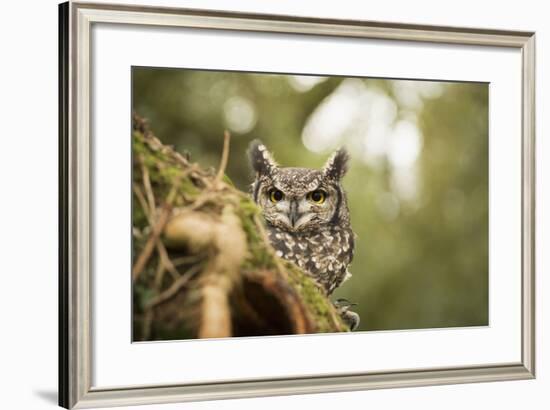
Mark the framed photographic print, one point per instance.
(292, 201)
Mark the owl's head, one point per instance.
(299, 199)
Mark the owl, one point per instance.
(306, 214)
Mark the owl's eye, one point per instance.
(317, 196)
(275, 195)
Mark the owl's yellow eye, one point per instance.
(275, 195)
(317, 196)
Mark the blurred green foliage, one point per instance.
(417, 185)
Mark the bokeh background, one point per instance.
(417, 185)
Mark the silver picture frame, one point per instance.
(75, 333)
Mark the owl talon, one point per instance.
(350, 318)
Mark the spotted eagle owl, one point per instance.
(306, 214)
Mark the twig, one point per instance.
(161, 249)
(225, 156)
(147, 186)
(155, 234)
(151, 242)
(141, 199)
(202, 199)
(174, 289)
(165, 264)
(159, 274)
(187, 259)
(168, 265)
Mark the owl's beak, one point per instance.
(293, 214)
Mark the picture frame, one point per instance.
(76, 350)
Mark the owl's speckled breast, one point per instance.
(325, 253)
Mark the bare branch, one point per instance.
(176, 286)
(225, 156)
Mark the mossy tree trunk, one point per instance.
(202, 263)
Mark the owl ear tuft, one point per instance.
(260, 158)
(337, 165)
